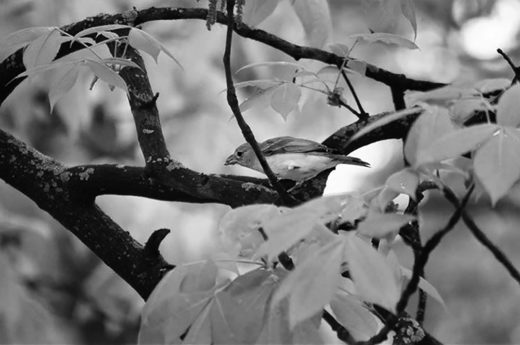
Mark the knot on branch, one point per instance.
(408, 331)
(151, 248)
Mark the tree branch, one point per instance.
(47, 183)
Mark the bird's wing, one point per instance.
(290, 145)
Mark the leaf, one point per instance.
(43, 50)
(142, 40)
(455, 143)
(386, 120)
(385, 196)
(425, 286)
(386, 38)
(312, 283)
(373, 276)
(462, 109)
(433, 123)
(106, 74)
(169, 312)
(239, 229)
(382, 15)
(255, 12)
(440, 95)
(260, 83)
(64, 82)
(271, 63)
(379, 224)
(354, 316)
(15, 40)
(497, 163)
(408, 9)
(404, 181)
(100, 29)
(261, 98)
(357, 66)
(48, 67)
(120, 62)
(340, 49)
(316, 20)
(492, 85)
(285, 99)
(508, 113)
(293, 225)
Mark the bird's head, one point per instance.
(243, 155)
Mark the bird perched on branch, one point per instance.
(292, 158)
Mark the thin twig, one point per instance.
(420, 262)
(233, 103)
(515, 69)
(362, 113)
(484, 240)
(341, 332)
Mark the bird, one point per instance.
(292, 158)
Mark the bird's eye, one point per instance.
(239, 154)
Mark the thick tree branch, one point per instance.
(128, 180)
(47, 183)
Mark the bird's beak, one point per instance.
(231, 160)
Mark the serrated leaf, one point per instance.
(386, 120)
(271, 63)
(142, 40)
(455, 143)
(64, 82)
(106, 74)
(408, 9)
(492, 84)
(354, 316)
(43, 50)
(101, 29)
(285, 99)
(433, 123)
(309, 286)
(386, 38)
(379, 224)
(404, 181)
(256, 12)
(497, 163)
(373, 276)
(15, 40)
(316, 20)
(508, 113)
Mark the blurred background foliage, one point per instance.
(54, 290)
